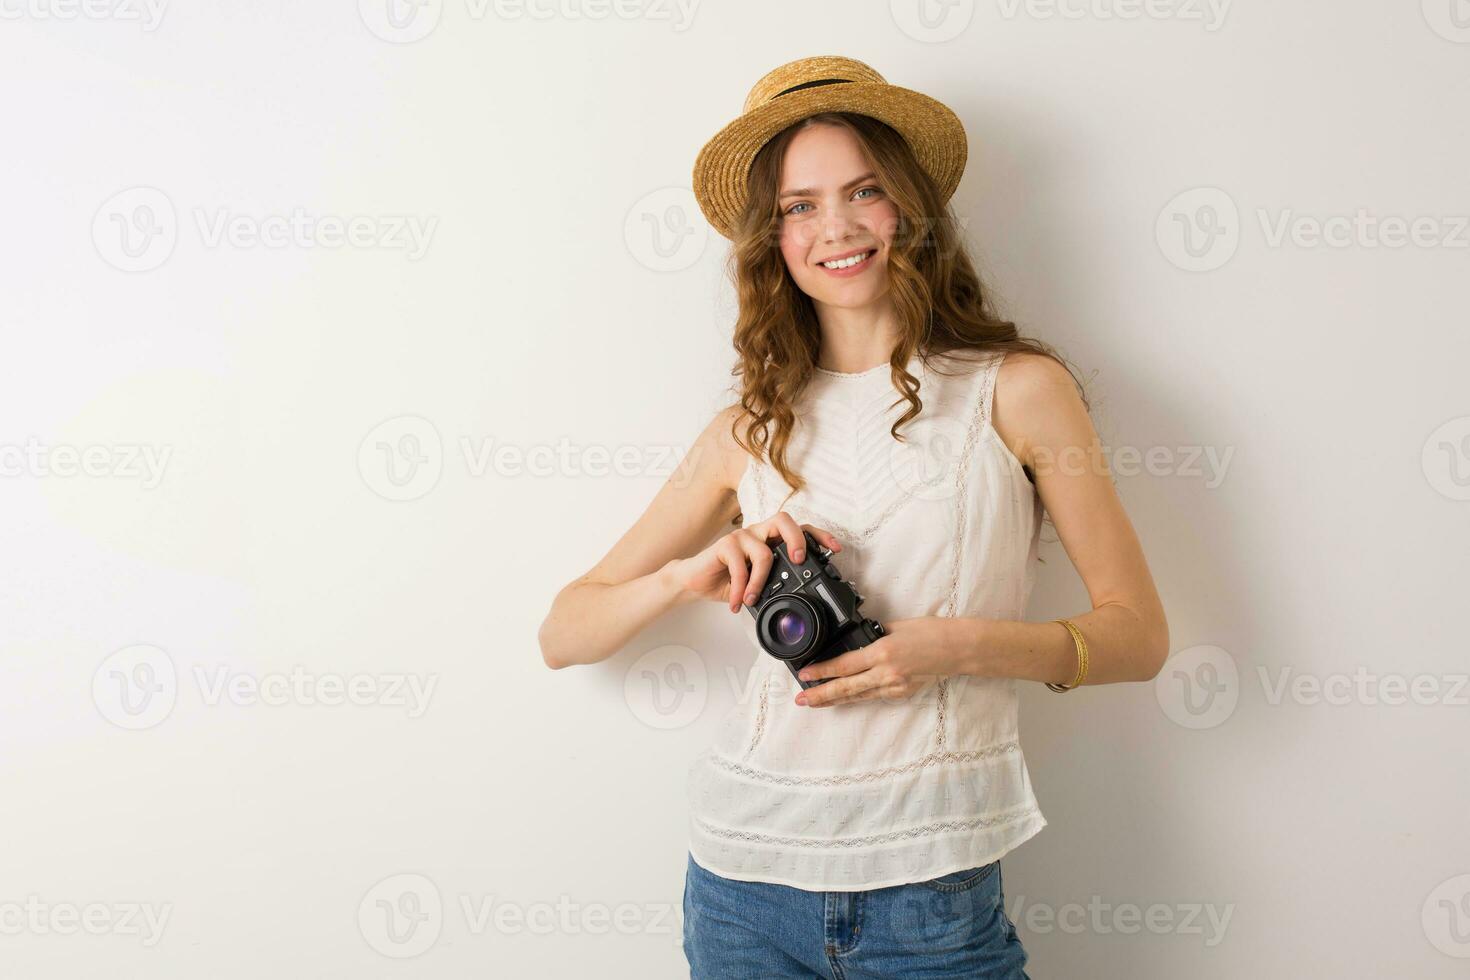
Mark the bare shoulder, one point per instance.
(717, 439)
(1036, 402)
(1032, 373)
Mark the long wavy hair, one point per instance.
(942, 307)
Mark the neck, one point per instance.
(855, 339)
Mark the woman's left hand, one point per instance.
(914, 654)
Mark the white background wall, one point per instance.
(1325, 545)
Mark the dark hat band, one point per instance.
(811, 84)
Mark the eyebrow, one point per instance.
(808, 191)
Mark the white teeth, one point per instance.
(850, 260)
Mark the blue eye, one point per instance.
(870, 187)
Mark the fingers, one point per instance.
(872, 694)
(749, 560)
(784, 526)
(746, 553)
(833, 691)
(824, 538)
(733, 555)
(761, 560)
(842, 665)
(866, 686)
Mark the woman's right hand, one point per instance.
(733, 569)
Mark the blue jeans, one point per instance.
(951, 926)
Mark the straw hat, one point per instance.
(802, 88)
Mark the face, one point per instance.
(831, 208)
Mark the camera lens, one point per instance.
(789, 626)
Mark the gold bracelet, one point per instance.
(1081, 643)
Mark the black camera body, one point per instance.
(807, 612)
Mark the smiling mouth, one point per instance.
(849, 262)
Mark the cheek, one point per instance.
(885, 223)
(794, 249)
(796, 239)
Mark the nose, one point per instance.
(838, 223)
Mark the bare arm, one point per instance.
(645, 574)
(592, 617)
(1039, 414)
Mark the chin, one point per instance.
(849, 301)
(856, 295)
(846, 294)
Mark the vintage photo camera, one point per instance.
(807, 613)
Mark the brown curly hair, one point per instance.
(943, 309)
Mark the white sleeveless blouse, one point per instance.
(872, 794)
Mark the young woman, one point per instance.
(855, 827)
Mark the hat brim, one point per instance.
(930, 127)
